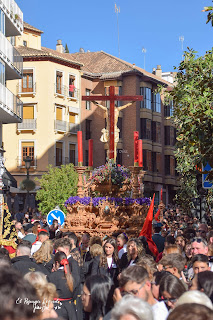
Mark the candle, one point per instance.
(136, 135)
(80, 149)
(161, 194)
(140, 153)
(90, 153)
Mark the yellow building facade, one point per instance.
(50, 91)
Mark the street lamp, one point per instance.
(27, 161)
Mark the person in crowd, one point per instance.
(122, 244)
(175, 264)
(22, 262)
(42, 236)
(19, 230)
(135, 251)
(4, 257)
(171, 288)
(134, 280)
(200, 262)
(95, 251)
(107, 263)
(54, 229)
(43, 256)
(44, 223)
(203, 281)
(131, 308)
(95, 240)
(149, 264)
(202, 230)
(36, 227)
(64, 282)
(192, 311)
(84, 247)
(14, 291)
(46, 293)
(181, 242)
(97, 296)
(194, 296)
(157, 238)
(75, 252)
(157, 276)
(29, 235)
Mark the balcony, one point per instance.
(27, 124)
(21, 163)
(13, 60)
(61, 91)
(74, 94)
(73, 128)
(60, 126)
(26, 91)
(13, 18)
(11, 107)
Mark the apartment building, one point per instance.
(11, 64)
(50, 91)
(150, 117)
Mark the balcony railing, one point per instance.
(27, 124)
(23, 91)
(10, 55)
(10, 101)
(65, 92)
(21, 163)
(73, 127)
(61, 125)
(12, 10)
(74, 94)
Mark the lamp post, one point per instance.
(27, 161)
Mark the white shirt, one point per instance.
(35, 247)
(122, 251)
(21, 235)
(160, 311)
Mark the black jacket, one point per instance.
(25, 264)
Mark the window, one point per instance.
(59, 78)
(59, 113)
(120, 124)
(2, 22)
(145, 128)
(24, 43)
(2, 73)
(158, 162)
(154, 162)
(158, 132)
(147, 98)
(72, 117)
(88, 103)
(59, 152)
(149, 160)
(71, 86)
(167, 135)
(27, 81)
(28, 112)
(172, 166)
(88, 129)
(27, 150)
(156, 102)
(168, 109)
(72, 153)
(170, 136)
(167, 165)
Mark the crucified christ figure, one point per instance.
(105, 132)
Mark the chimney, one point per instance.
(158, 72)
(59, 46)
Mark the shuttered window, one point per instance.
(28, 112)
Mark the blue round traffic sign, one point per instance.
(56, 214)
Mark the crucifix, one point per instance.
(112, 131)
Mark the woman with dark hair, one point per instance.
(203, 281)
(171, 288)
(63, 281)
(97, 296)
(107, 263)
(135, 251)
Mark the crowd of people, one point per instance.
(57, 274)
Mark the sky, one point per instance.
(152, 24)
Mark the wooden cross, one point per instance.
(112, 98)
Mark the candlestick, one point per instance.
(80, 149)
(90, 154)
(136, 135)
(140, 153)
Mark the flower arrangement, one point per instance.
(97, 200)
(117, 173)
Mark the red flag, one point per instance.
(157, 215)
(147, 229)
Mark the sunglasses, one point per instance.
(199, 240)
